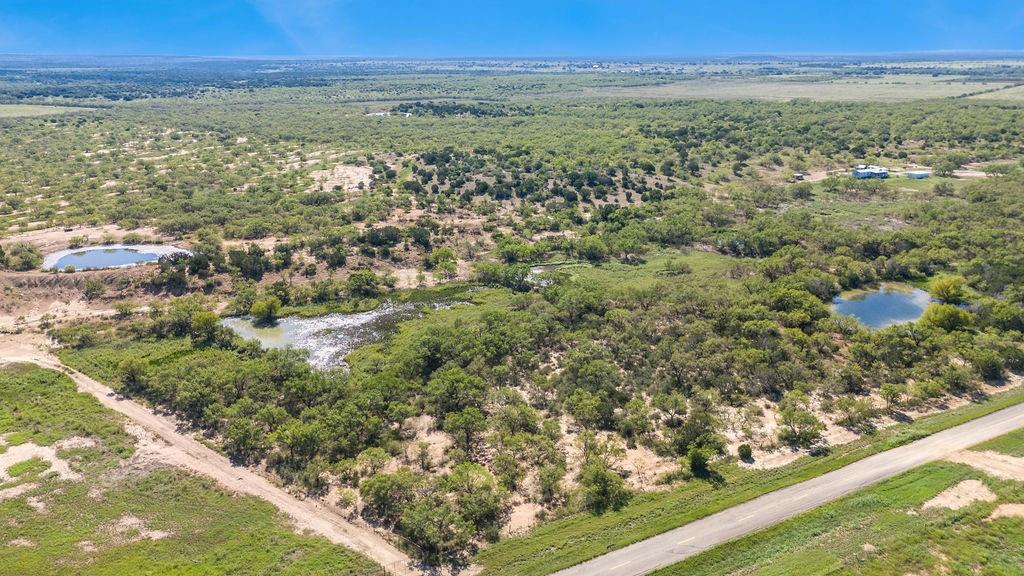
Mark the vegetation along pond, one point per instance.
(883, 306)
(114, 256)
(331, 337)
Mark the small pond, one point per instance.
(114, 256)
(883, 306)
(331, 337)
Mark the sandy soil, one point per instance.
(267, 243)
(27, 451)
(128, 529)
(961, 496)
(173, 447)
(423, 430)
(769, 454)
(642, 464)
(522, 518)
(970, 174)
(59, 310)
(992, 463)
(27, 297)
(37, 504)
(17, 491)
(645, 467)
(1007, 511)
(49, 239)
(343, 176)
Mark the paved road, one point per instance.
(675, 545)
(181, 449)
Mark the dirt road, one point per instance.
(675, 545)
(183, 450)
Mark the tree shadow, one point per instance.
(710, 476)
(901, 417)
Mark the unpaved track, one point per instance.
(693, 538)
(184, 451)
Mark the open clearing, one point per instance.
(1013, 94)
(20, 110)
(881, 89)
(113, 505)
(992, 463)
(179, 449)
(961, 496)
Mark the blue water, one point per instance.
(887, 305)
(97, 258)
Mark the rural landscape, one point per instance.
(512, 316)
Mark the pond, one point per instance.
(331, 337)
(884, 306)
(114, 256)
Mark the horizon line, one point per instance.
(606, 58)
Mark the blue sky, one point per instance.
(447, 28)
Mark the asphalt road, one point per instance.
(675, 545)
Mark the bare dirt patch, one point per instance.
(522, 518)
(645, 467)
(49, 239)
(17, 491)
(21, 543)
(763, 432)
(76, 442)
(960, 496)
(343, 177)
(37, 504)
(130, 529)
(1007, 511)
(424, 430)
(995, 464)
(28, 451)
(27, 298)
(87, 546)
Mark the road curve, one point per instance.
(693, 538)
(185, 451)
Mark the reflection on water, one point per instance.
(100, 257)
(887, 305)
(328, 338)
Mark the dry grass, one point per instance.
(874, 89)
(21, 110)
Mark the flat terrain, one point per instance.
(622, 274)
(20, 110)
(182, 450)
(685, 541)
(881, 89)
(567, 542)
(1012, 94)
(941, 518)
(83, 492)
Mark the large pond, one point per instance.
(884, 306)
(331, 337)
(114, 256)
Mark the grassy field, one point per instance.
(20, 110)
(569, 541)
(186, 525)
(882, 530)
(867, 89)
(1014, 94)
(1012, 444)
(705, 270)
